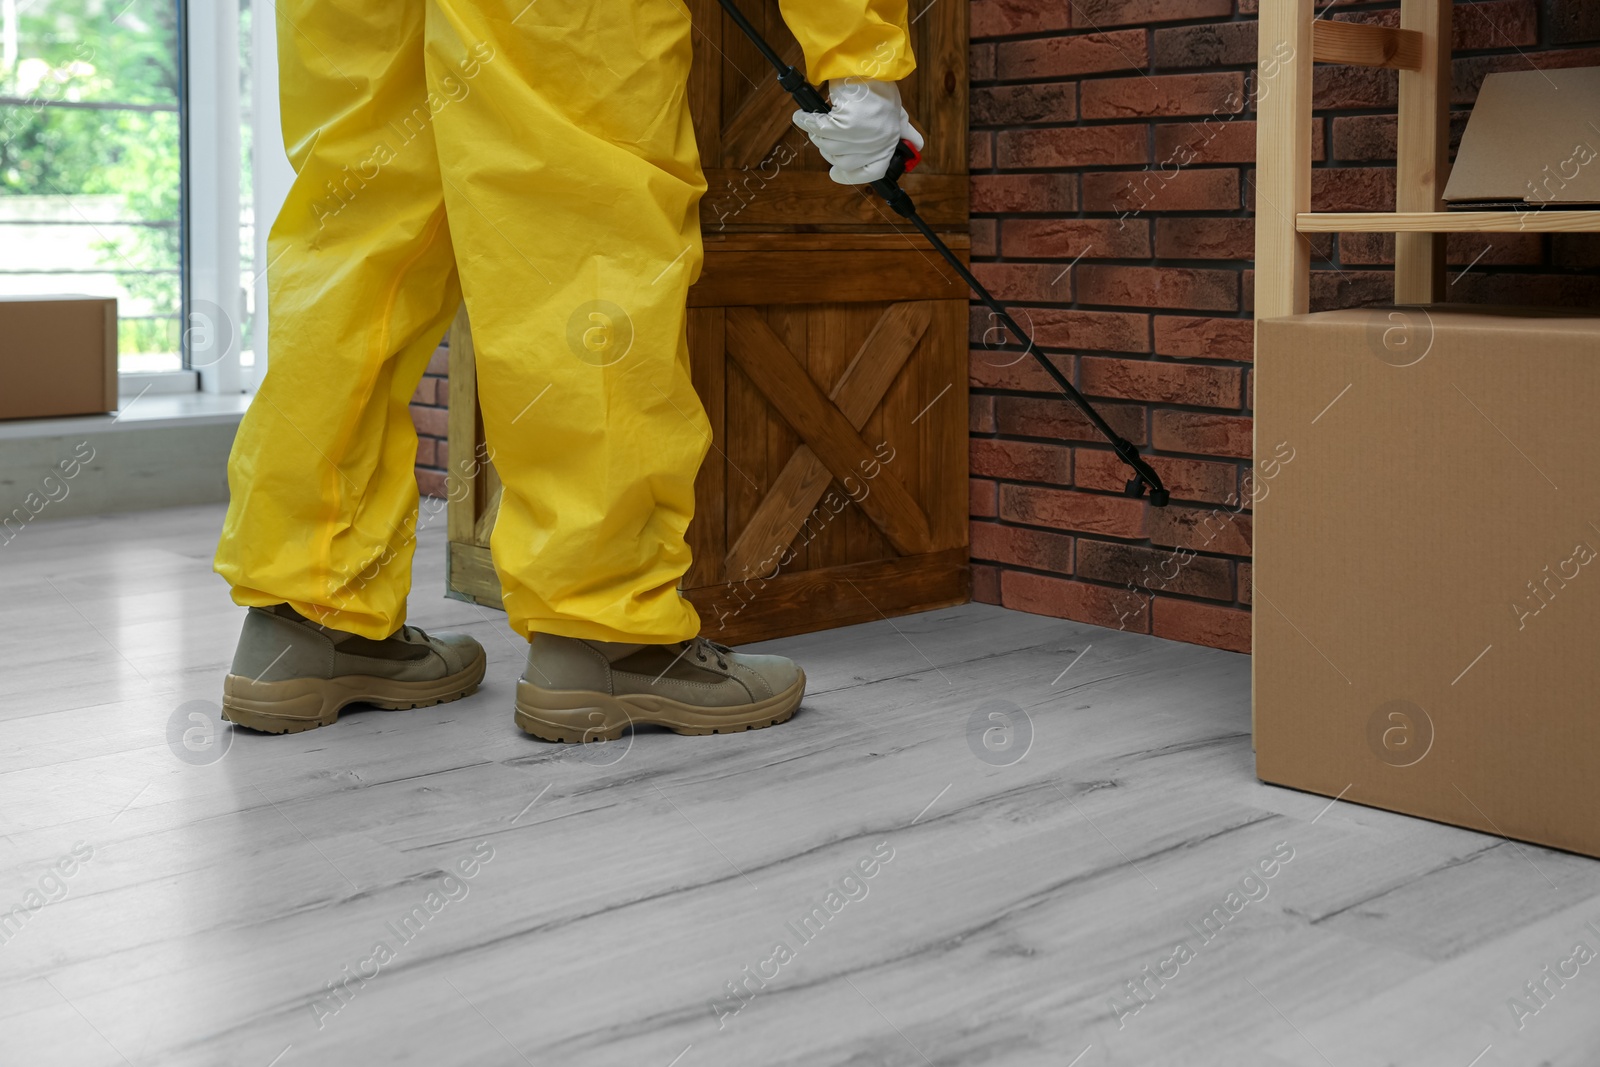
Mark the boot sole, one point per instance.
(574, 716)
(297, 704)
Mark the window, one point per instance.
(91, 162)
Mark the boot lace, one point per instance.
(703, 650)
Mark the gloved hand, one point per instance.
(860, 134)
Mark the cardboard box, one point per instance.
(1533, 138)
(1427, 565)
(58, 356)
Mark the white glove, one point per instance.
(860, 134)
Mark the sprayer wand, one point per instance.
(810, 98)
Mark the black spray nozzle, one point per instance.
(808, 96)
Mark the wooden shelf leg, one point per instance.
(1422, 152)
(1283, 158)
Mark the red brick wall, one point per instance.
(1136, 280)
(429, 410)
(1136, 275)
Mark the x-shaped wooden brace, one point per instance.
(828, 426)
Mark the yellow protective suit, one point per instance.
(535, 157)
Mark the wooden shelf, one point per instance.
(1510, 221)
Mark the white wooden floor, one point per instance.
(226, 903)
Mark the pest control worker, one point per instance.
(536, 158)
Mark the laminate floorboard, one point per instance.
(227, 900)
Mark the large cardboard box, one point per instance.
(58, 356)
(1427, 565)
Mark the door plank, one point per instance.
(761, 119)
(774, 370)
(805, 478)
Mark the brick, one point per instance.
(1155, 570)
(1577, 251)
(1338, 86)
(1071, 57)
(1224, 44)
(425, 452)
(1159, 287)
(980, 150)
(980, 62)
(1100, 13)
(1246, 583)
(1461, 249)
(1101, 331)
(432, 483)
(1334, 289)
(985, 584)
(981, 418)
(983, 498)
(1223, 530)
(1169, 383)
(1192, 337)
(1367, 138)
(1147, 96)
(1218, 140)
(1072, 146)
(1360, 138)
(997, 368)
(1016, 194)
(1186, 238)
(985, 234)
(429, 421)
(1572, 21)
(1352, 189)
(1552, 290)
(1065, 509)
(1206, 481)
(1040, 550)
(1162, 188)
(1001, 18)
(1013, 105)
(1194, 431)
(439, 362)
(1201, 624)
(1022, 461)
(1064, 598)
(1504, 24)
(1025, 283)
(1060, 419)
(1070, 238)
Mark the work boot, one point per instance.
(291, 674)
(591, 690)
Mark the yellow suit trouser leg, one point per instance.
(361, 286)
(545, 149)
(573, 183)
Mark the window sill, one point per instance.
(148, 410)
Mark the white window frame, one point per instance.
(215, 305)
